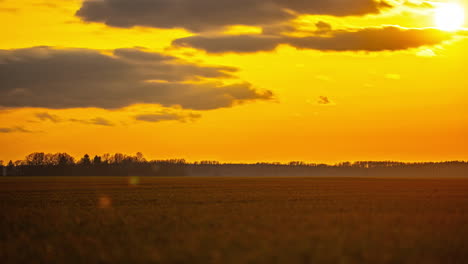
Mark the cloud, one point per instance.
(203, 15)
(76, 78)
(323, 100)
(168, 116)
(230, 43)
(367, 39)
(95, 121)
(323, 27)
(373, 39)
(44, 116)
(14, 129)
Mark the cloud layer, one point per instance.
(366, 39)
(168, 116)
(45, 116)
(94, 121)
(202, 15)
(20, 129)
(75, 78)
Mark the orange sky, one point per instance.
(329, 86)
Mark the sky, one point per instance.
(235, 81)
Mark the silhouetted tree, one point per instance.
(85, 160)
(296, 163)
(97, 160)
(35, 159)
(140, 158)
(209, 162)
(9, 168)
(106, 158)
(117, 158)
(63, 159)
(62, 164)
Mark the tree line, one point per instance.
(118, 164)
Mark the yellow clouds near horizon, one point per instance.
(256, 81)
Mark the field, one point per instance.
(233, 220)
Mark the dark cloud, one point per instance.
(202, 15)
(168, 116)
(373, 39)
(367, 39)
(95, 121)
(44, 116)
(277, 29)
(323, 27)
(230, 43)
(14, 129)
(141, 56)
(75, 78)
(323, 100)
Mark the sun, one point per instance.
(449, 16)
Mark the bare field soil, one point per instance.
(233, 220)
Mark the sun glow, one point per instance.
(449, 16)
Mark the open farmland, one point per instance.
(233, 220)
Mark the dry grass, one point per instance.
(233, 220)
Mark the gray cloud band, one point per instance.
(202, 15)
(368, 39)
(75, 78)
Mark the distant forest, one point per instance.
(62, 164)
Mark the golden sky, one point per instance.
(241, 81)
